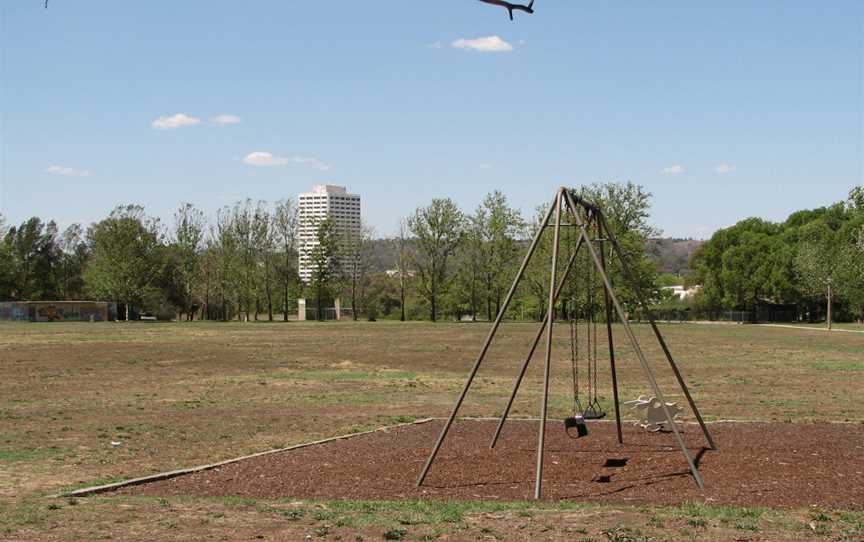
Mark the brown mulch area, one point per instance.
(757, 464)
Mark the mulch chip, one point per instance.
(757, 464)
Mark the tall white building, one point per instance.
(322, 202)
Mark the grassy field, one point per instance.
(88, 403)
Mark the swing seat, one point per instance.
(593, 414)
(577, 422)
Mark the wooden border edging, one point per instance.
(95, 490)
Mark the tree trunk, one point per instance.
(489, 298)
(287, 283)
(268, 289)
(401, 296)
(432, 299)
(829, 306)
(285, 307)
(354, 298)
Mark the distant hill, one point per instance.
(670, 255)
(673, 255)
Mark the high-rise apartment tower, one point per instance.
(322, 202)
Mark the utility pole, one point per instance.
(829, 304)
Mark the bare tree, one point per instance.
(358, 252)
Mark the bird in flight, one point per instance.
(512, 7)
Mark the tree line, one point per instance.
(812, 263)
(242, 262)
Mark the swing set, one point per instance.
(594, 239)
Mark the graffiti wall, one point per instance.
(58, 311)
(14, 311)
(71, 311)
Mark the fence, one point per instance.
(741, 317)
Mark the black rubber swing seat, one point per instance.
(578, 423)
(593, 414)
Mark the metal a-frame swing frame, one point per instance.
(567, 201)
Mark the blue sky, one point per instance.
(722, 110)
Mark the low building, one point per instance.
(681, 292)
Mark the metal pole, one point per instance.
(486, 344)
(611, 343)
(533, 348)
(550, 318)
(635, 344)
(641, 298)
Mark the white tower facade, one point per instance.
(322, 202)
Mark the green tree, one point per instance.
(756, 262)
(7, 271)
(264, 241)
(74, 253)
(243, 216)
(188, 237)
(471, 266)
(856, 198)
(499, 227)
(535, 283)
(403, 256)
(826, 264)
(34, 260)
(126, 258)
(438, 230)
(285, 224)
(326, 266)
(227, 261)
(627, 209)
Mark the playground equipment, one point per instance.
(650, 413)
(593, 235)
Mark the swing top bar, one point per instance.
(582, 202)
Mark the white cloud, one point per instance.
(436, 45)
(175, 121)
(725, 168)
(489, 44)
(224, 120)
(67, 171)
(311, 162)
(486, 165)
(675, 169)
(260, 158)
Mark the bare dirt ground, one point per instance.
(87, 403)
